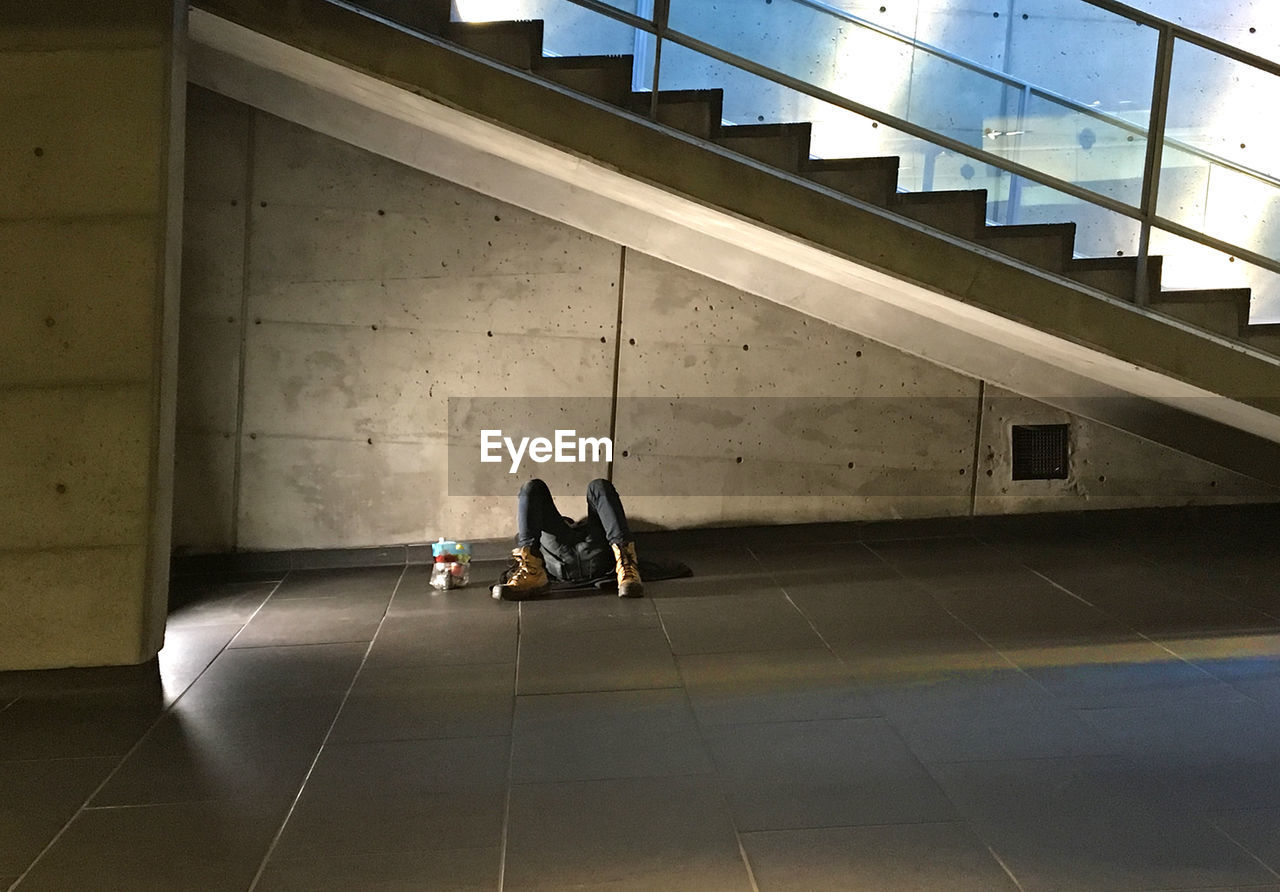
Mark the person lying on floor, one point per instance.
(597, 551)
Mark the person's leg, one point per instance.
(605, 508)
(536, 514)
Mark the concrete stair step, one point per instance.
(1264, 336)
(515, 43)
(1046, 245)
(607, 78)
(959, 212)
(429, 16)
(1116, 276)
(696, 112)
(784, 146)
(1221, 310)
(874, 180)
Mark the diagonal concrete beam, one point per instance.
(995, 319)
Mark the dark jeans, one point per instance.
(537, 514)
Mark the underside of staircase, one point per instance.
(567, 137)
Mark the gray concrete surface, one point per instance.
(88, 262)
(359, 326)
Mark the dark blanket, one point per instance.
(650, 571)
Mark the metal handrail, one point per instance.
(1144, 215)
(1073, 104)
(1183, 33)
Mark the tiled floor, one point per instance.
(1005, 709)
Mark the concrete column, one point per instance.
(91, 110)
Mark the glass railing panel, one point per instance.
(1095, 57)
(922, 165)
(811, 45)
(1070, 144)
(568, 29)
(1191, 266)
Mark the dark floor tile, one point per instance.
(1000, 714)
(871, 612)
(297, 720)
(448, 870)
(1109, 852)
(1045, 791)
(353, 584)
(590, 613)
(182, 761)
(1255, 830)
(266, 673)
(37, 798)
(211, 602)
(202, 847)
(719, 570)
(354, 823)
(713, 585)
(610, 660)
(946, 857)
(74, 726)
(188, 651)
(1092, 675)
(636, 833)
(736, 623)
(1033, 613)
(402, 768)
(559, 737)
(446, 638)
(842, 772)
(329, 620)
(418, 702)
(771, 686)
(415, 594)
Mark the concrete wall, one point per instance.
(335, 301)
(88, 267)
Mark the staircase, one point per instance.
(985, 297)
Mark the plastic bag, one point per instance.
(451, 567)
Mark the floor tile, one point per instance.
(446, 638)
(609, 660)
(355, 583)
(188, 651)
(185, 762)
(1256, 830)
(1000, 714)
(312, 621)
(210, 602)
(201, 847)
(1028, 613)
(635, 834)
(355, 823)
(448, 870)
(589, 613)
(38, 798)
(615, 734)
(1044, 791)
(414, 594)
(946, 857)
(403, 768)
(736, 623)
(1090, 674)
(266, 673)
(771, 686)
(794, 775)
(73, 726)
(417, 702)
(1110, 852)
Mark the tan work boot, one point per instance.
(629, 583)
(525, 578)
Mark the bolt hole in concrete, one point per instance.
(631, 341)
(624, 453)
(50, 322)
(39, 152)
(739, 459)
(61, 488)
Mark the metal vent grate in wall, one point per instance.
(1040, 451)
